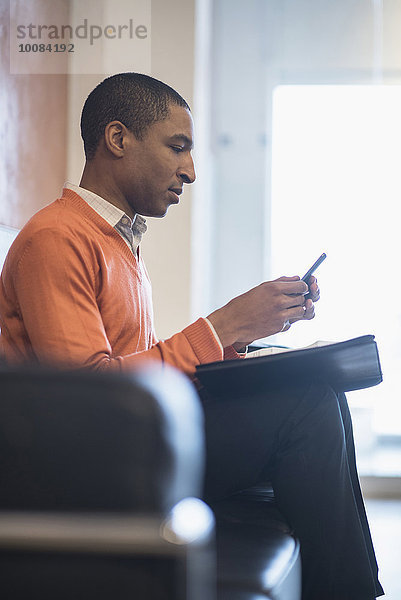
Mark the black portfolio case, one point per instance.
(350, 365)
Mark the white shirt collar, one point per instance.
(105, 209)
(114, 216)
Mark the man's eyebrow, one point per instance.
(181, 137)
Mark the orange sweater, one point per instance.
(73, 294)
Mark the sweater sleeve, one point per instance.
(55, 287)
(193, 346)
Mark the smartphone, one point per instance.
(313, 268)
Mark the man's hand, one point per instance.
(267, 309)
(313, 296)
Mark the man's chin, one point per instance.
(158, 208)
(158, 213)
(162, 210)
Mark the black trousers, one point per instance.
(301, 440)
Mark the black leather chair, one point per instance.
(100, 477)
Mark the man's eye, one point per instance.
(177, 149)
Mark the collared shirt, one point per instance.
(131, 230)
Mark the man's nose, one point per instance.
(187, 171)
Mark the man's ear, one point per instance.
(115, 138)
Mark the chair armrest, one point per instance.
(99, 552)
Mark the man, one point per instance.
(75, 292)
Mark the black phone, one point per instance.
(313, 268)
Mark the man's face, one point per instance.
(154, 170)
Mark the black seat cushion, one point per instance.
(257, 555)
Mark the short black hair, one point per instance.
(135, 99)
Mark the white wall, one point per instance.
(259, 45)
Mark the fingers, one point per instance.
(298, 298)
(309, 312)
(293, 300)
(305, 312)
(296, 313)
(314, 291)
(291, 285)
(285, 278)
(294, 285)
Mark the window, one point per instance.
(336, 187)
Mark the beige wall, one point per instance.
(167, 248)
(167, 243)
(33, 121)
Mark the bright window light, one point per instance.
(336, 188)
